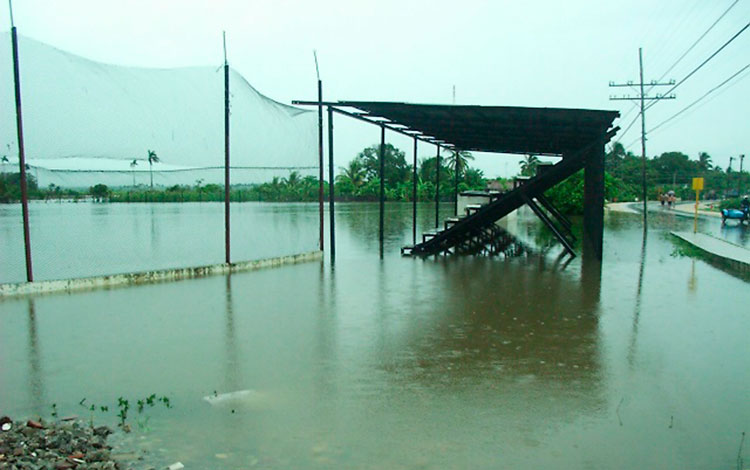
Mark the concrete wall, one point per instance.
(167, 275)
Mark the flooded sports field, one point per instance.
(384, 362)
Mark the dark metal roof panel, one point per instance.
(501, 129)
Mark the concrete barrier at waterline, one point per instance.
(149, 277)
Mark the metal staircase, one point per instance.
(476, 232)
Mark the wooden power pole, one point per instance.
(642, 97)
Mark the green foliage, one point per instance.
(459, 161)
(732, 203)
(528, 165)
(395, 168)
(10, 187)
(568, 195)
(672, 171)
(123, 405)
(99, 192)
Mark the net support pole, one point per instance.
(22, 158)
(414, 197)
(320, 161)
(331, 211)
(382, 180)
(437, 188)
(227, 242)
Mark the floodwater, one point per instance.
(400, 363)
(71, 240)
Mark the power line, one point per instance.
(716, 52)
(635, 141)
(665, 36)
(622, 134)
(699, 99)
(698, 40)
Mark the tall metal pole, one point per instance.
(382, 179)
(227, 243)
(21, 155)
(320, 161)
(330, 184)
(643, 143)
(414, 197)
(455, 182)
(437, 187)
(320, 151)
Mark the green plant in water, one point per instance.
(54, 410)
(124, 406)
(150, 400)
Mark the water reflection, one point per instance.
(638, 299)
(232, 375)
(326, 334)
(693, 279)
(503, 323)
(36, 385)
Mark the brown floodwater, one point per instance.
(384, 362)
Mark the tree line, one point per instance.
(359, 181)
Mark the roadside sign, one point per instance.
(698, 187)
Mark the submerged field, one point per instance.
(395, 362)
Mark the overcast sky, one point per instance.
(506, 53)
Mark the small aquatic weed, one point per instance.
(54, 410)
(124, 406)
(165, 400)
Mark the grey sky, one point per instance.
(533, 53)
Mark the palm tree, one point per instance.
(704, 161)
(354, 173)
(459, 161)
(133, 164)
(152, 158)
(291, 185)
(528, 166)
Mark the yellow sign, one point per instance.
(698, 187)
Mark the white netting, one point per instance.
(86, 122)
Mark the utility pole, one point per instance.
(642, 97)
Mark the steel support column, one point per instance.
(455, 182)
(320, 162)
(437, 188)
(381, 174)
(414, 198)
(593, 201)
(330, 185)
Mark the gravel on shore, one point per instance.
(59, 445)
